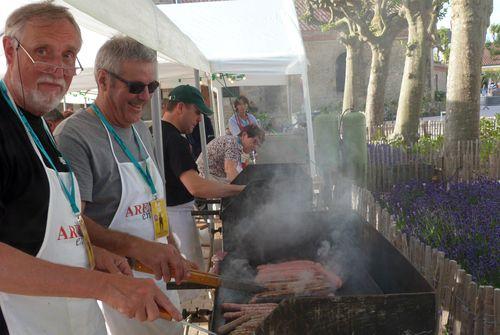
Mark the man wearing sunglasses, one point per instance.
(47, 285)
(111, 151)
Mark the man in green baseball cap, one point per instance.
(182, 112)
(190, 94)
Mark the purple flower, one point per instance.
(462, 221)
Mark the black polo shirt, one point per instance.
(177, 160)
(24, 187)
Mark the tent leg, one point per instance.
(220, 109)
(203, 135)
(212, 104)
(289, 98)
(157, 136)
(310, 135)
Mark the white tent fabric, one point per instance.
(151, 27)
(142, 21)
(259, 38)
(139, 19)
(244, 36)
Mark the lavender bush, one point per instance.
(461, 220)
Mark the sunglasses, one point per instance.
(136, 87)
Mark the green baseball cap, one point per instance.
(191, 95)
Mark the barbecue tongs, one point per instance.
(202, 280)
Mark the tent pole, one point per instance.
(157, 136)
(203, 135)
(310, 135)
(289, 97)
(220, 110)
(212, 104)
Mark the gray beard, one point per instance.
(36, 101)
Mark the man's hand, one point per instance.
(136, 298)
(190, 265)
(106, 261)
(164, 259)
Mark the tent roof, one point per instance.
(260, 38)
(244, 36)
(98, 25)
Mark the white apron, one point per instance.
(186, 233)
(133, 217)
(62, 244)
(187, 237)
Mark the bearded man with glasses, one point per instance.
(111, 151)
(48, 284)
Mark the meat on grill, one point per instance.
(244, 317)
(302, 270)
(298, 278)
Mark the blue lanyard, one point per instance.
(70, 194)
(144, 172)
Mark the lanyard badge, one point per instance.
(158, 206)
(160, 218)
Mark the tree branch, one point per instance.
(363, 28)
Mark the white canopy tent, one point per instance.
(98, 23)
(258, 38)
(139, 19)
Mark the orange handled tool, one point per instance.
(210, 280)
(195, 276)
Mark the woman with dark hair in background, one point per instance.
(224, 153)
(241, 117)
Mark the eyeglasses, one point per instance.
(136, 87)
(68, 71)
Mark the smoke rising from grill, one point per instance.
(276, 218)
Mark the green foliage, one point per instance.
(489, 135)
(431, 107)
(440, 95)
(443, 46)
(494, 75)
(264, 120)
(494, 45)
(426, 144)
(390, 110)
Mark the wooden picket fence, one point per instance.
(389, 165)
(430, 128)
(463, 307)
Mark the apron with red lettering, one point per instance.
(62, 244)
(133, 217)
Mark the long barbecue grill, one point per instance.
(273, 221)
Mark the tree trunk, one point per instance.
(379, 70)
(353, 77)
(414, 75)
(470, 20)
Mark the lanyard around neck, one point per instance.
(70, 194)
(146, 175)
